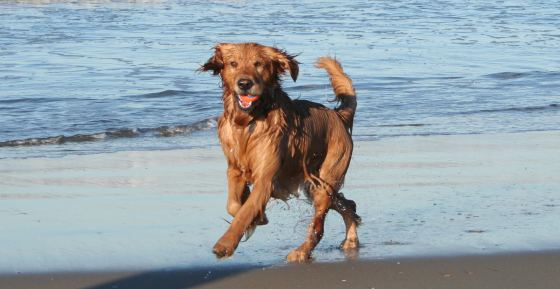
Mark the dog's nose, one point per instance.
(245, 83)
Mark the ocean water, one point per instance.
(86, 77)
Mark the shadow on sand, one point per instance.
(173, 279)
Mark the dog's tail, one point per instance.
(343, 89)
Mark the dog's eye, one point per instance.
(233, 64)
(258, 64)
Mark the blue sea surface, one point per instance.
(98, 76)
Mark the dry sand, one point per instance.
(513, 271)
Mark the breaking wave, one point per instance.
(162, 131)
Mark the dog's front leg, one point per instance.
(252, 209)
(238, 190)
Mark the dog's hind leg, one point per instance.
(347, 209)
(325, 195)
(322, 202)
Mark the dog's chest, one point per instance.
(237, 144)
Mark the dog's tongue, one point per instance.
(247, 99)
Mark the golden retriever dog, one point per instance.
(276, 146)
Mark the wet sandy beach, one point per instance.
(157, 211)
(512, 271)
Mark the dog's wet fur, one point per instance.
(275, 145)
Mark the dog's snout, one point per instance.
(245, 83)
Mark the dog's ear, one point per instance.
(285, 62)
(216, 62)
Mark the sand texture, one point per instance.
(153, 211)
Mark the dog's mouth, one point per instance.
(246, 101)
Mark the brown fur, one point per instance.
(280, 145)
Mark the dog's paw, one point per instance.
(351, 248)
(350, 245)
(298, 256)
(222, 251)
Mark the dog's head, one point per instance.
(250, 71)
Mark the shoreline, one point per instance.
(417, 196)
(521, 270)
